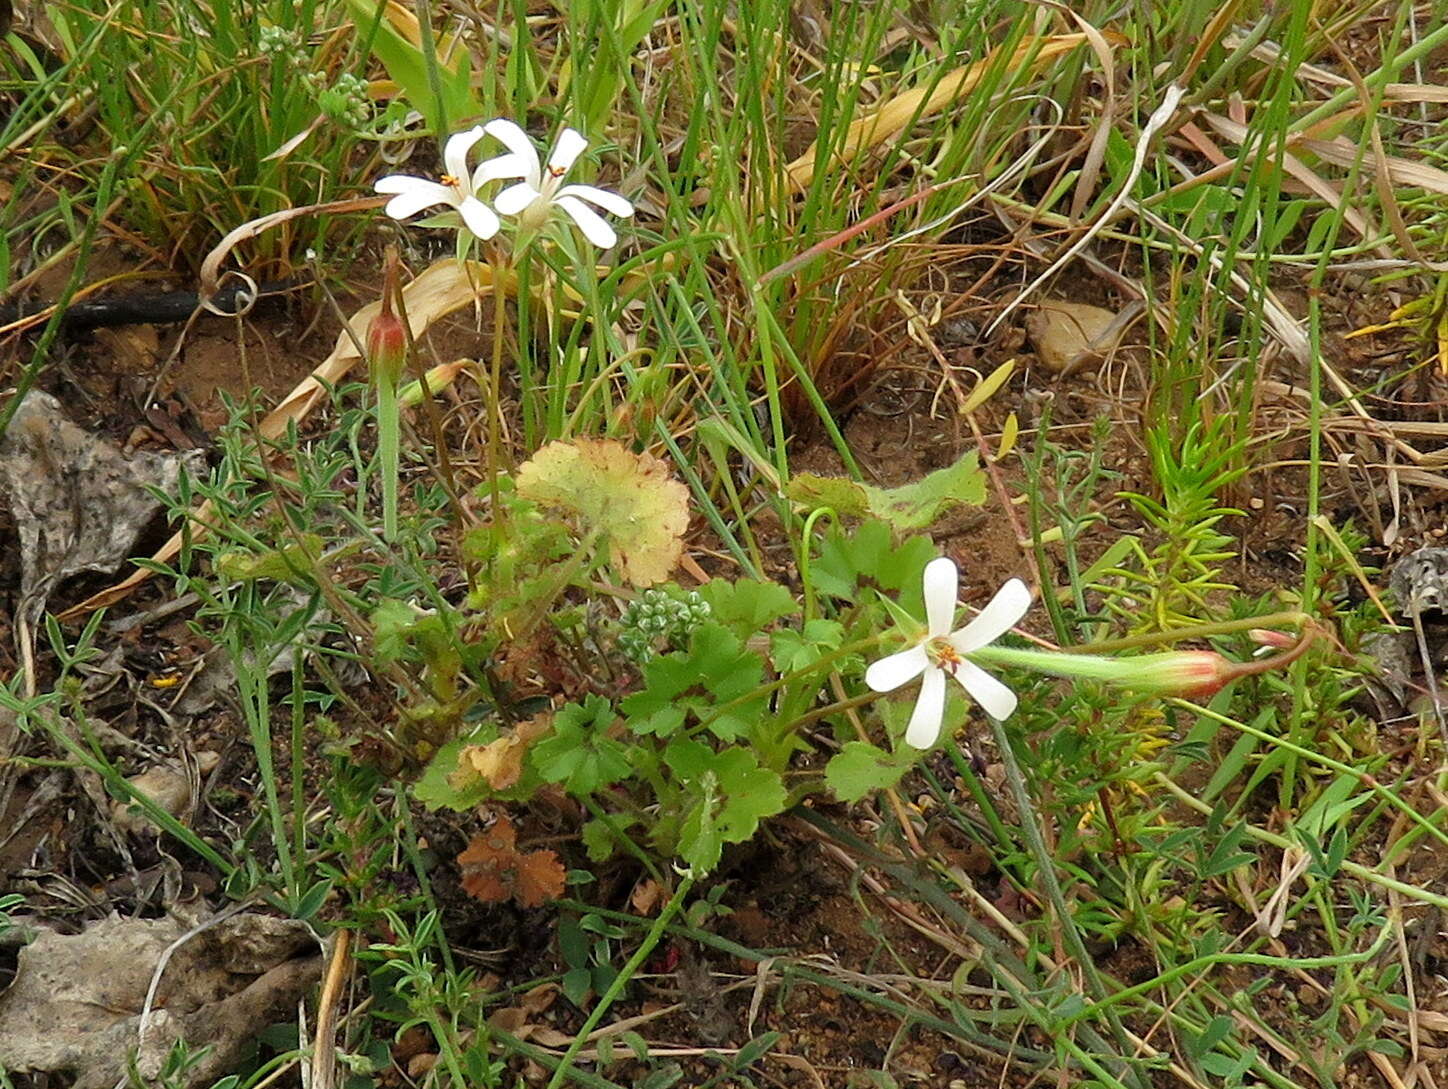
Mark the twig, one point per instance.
(324, 1044)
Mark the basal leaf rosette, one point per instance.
(630, 500)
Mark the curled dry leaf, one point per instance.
(630, 499)
(519, 1020)
(500, 762)
(550, 1037)
(540, 998)
(495, 870)
(646, 896)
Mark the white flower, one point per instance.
(943, 651)
(542, 186)
(456, 189)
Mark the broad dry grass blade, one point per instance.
(897, 113)
(438, 291)
(1299, 171)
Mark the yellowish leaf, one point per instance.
(500, 762)
(1008, 437)
(630, 500)
(987, 387)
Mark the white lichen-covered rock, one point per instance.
(74, 1007)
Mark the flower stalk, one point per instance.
(1186, 673)
(387, 358)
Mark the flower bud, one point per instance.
(386, 337)
(1176, 673)
(438, 379)
(1268, 638)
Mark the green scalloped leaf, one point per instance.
(859, 768)
(908, 507)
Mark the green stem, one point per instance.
(1312, 756)
(1198, 966)
(651, 940)
(387, 453)
(806, 545)
(1062, 664)
(428, 48)
(495, 382)
(789, 678)
(1095, 985)
(1292, 618)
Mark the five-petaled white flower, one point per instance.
(943, 651)
(542, 185)
(457, 189)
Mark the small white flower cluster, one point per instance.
(531, 199)
(346, 101)
(276, 41)
(656, 616)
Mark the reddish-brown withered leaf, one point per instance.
(540, 879)
(484, 885)
(494, 869)
(487, 848)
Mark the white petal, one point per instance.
(929, 710)
(503, 166)
(890, 673)
(515, 198)
(942, 583)
(399, 183)
(606, 199)
(593, 226)
(994, 698)
(566, 151)
(416, 197)
(479, 218)
(516, 141)
(455, 152)
(1011, 602)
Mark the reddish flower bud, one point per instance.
(1268, 638)
(386, 336)
(1178, 673)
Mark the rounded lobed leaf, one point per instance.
(631, 500)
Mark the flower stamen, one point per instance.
(540, 188)
(943, 655)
